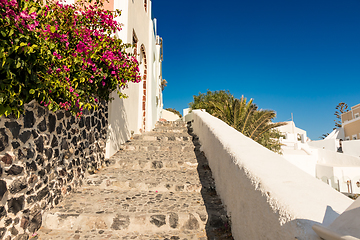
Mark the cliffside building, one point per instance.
(351, 123)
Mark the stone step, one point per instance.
(154, 154)
(170, 130)
(125, 222)
(159, 186)
(174, 146)
(156, 164)
(139, 202)
(51, 234)
(153, 180)
(171, 124)
(130, 211)
(147, 160)
(162, 137)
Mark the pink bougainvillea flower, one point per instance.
(103, 83)
(80, 47)
(66, 68)
(24, 15)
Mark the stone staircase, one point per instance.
(159, 186)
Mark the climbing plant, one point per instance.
(64, 56)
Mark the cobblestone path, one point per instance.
(159, 186)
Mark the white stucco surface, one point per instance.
(329, 144)
(337, 159)
(336, 134)
(345, 227)
(126, 116)
(266, 196)
(351, 147)
(169, 116)
(302, 160)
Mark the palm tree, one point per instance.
(242, 115)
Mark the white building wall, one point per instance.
(351, 147)
(159, 80)
(329, 144)
(153, 77)
(337, 159)
(169, 116)
(125, 115)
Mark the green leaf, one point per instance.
(53, 29)
(2, 110)
(33, 9)
(7, 111)
(26, 4)
(31, 91)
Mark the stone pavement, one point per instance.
(159, 186)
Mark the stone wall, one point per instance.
(44, 156)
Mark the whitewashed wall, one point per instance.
(265, 196)
(328, 144)
(337, 159)
(307, 163)
(169, 116)
(125, 115)
(351, 147)
(337, 169)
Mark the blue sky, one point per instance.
(300, 57)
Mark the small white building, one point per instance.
(293, 135)
(321, 158)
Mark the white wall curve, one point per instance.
(265, 196)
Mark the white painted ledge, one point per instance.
(346, 226)
(266, 196)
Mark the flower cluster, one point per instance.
(78, 59)
(23, 18)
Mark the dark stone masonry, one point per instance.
(44, 156)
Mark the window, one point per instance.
(145, 4)
(356, 115)
(347, 138)
(354, 137)
(134, 42)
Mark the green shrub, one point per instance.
(64, 56)
(242, 115)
